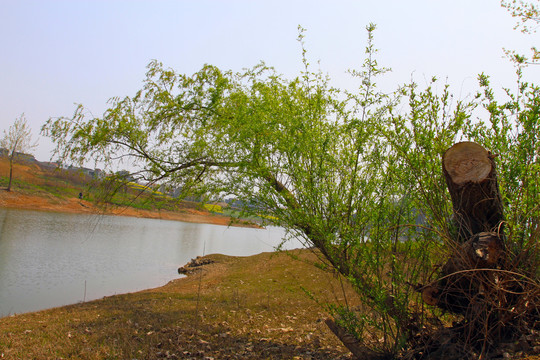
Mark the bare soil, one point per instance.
(19, 200)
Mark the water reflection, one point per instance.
(47, 259)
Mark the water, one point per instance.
(52, 259)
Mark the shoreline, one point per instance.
(233, 307)
(18, 200)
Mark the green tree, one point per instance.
(17, 139)
(309, 156)
(356, 175)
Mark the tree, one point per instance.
(356, 175)
(17, 139)
(313, 158)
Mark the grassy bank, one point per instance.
(235, 308)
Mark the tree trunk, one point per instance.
(470, 174)
(10, 170)
(352, 343)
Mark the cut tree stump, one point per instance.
(471, 178)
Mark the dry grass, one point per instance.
(237, 308)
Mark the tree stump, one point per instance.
(471, 178)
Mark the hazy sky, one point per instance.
(54, 54)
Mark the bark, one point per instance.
(461, 278)
(471, 177)
(10, 170)
(352, 343)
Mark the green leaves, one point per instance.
(512, 133)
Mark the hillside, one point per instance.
(40, 186)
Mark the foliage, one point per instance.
(528, 14)
(512, 132)
(214, 208)
(17, 139)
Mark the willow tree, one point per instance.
(308, 155)
(356, 175)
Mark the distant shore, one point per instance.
(17, 200)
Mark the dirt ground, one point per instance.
(18, 200)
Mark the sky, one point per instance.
(55, 54)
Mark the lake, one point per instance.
(51, 259)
